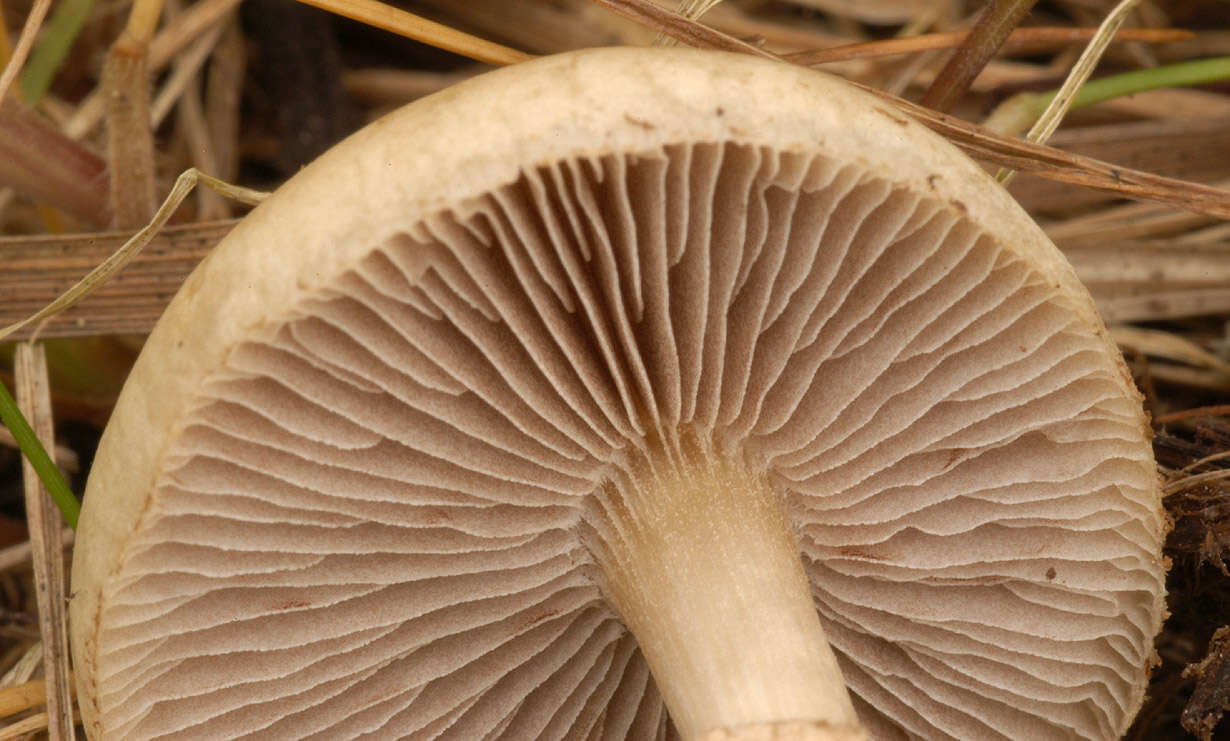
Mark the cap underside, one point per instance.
(369, 518)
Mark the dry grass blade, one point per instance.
(25, 42)
(186, 69)
(1187, 482)
(1195, 148)
(1218, 410)
(688, 9)
(1045, 126)
(1058, 165)
(1034, 39)
(975, 140)
(22, 697)
(1168, 345)
(183, 29)
(24, 727)
(1133, 221)
(1205, 461)
(130, 249)
(1153, 280)
(34, 397)
(402, 23)
(681, 29)
(20, 673)
(42, 268)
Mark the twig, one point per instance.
(1187, 482)
(1066, 167)
(1217, 410)
(989, 33)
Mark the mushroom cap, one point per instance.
(346, 488)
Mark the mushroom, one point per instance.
(625, 394)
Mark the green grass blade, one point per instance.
(58, 37)
(37, 455)
(1181, 74)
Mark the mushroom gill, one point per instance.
(492, 476)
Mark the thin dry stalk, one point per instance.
(223, 90)
(40, 268)
(377, 14)
(25, 42)
(989, 33)
(540, 27)
(976, 141)
(184, 75)
(1187, 482)
(186, 28)
(1042, 129)
(210, 205)
(1217, 410)
(1128, 221)
(170, 41)
(24, 727)
(45, 523)
(116, 261)
(682, 29)
(1184, 376)
(1037, 39)
(1058, 165)
(184, 86)
(22, 671)
(382, 87)
(1170, 346)
(688, 9)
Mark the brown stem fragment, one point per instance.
(130, 143)
(992, 29)
(43, 164)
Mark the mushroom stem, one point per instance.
(704, 569)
